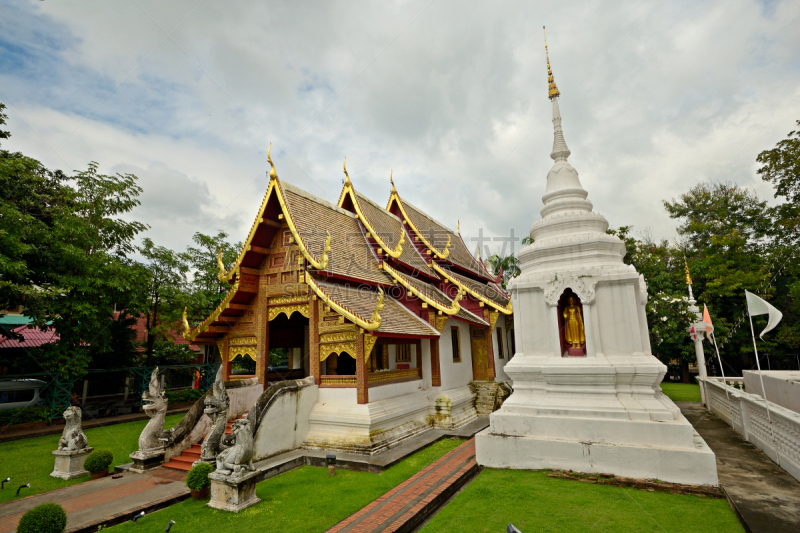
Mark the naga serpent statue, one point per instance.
(72, 438)
(155, 405)
(238, 458)
(217, 404)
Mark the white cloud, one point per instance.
(656, 97)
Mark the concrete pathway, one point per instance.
(765, 496)
(406, 506)
(103, 501)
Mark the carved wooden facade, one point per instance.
(341, 287)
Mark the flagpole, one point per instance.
(763, 389)
(719, 359)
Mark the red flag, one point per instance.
(707, 320)
(693, 334)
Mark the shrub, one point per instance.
(198, 476)
(46, 518)
(98, 461)
(24, 415)
(183, 395)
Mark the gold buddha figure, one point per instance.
(574, 333)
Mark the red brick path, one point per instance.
(101, 495)
(407, 505)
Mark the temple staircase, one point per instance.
(485, 393)
(187, 458)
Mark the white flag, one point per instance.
(758, 306)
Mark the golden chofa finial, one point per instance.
(346, 175)
(272, 173)
(391, 180)
(458, 227)
(686, 267)
(552, 89)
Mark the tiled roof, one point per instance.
(437, 234)
(390, 228)
(351, 255)
(490, 291)
(440, 297)
(33, 337)
(396, 318)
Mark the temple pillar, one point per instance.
(313, 338)
(361, 371)
(224, 359)
(262, 332)
(436, 369)
(489, 345)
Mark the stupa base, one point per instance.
(691, 466)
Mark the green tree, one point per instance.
(508, 265)
(165, 292)
(63, 254)
(207, 291)
(668, 317)
(781, 167)
(727, 233)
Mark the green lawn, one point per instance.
(681, 392)
(534, 502)
(305, 499)
(31, 460)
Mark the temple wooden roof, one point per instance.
(382, 269)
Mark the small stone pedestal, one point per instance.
(145, 460)
(69, 463)
(233, 493)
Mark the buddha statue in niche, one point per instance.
(574, 333)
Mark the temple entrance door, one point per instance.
(288, 347)
(480, 354)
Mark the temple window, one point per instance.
(403, 353)
(500, 342)
(454, 338)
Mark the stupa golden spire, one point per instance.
(688, 275)
(552, 90)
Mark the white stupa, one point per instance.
(586, 395)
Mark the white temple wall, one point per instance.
(614, 318)
(455, 374)
(530, 308)
(499, 364)
(285, 424)
(425, 363)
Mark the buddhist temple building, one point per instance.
(401, 327)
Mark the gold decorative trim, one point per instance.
(349, 381)
(185, 323)
(507, 310)
(336, 348)
(288, 310)
(375, 320)
(452, 310)
(493, 316)
(280, 300)
(274, 186)
(369, 343)
(444, 254)
(391, 375)
(338, 337)
(203, 327)
(242, 341)
(222, 276)
(440, 322)
(244, 351)
(348, 190)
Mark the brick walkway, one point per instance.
(410, 503)
(95, 502)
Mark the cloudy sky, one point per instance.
(451, 95)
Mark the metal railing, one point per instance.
(58, 391)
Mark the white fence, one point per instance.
(747, 414)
